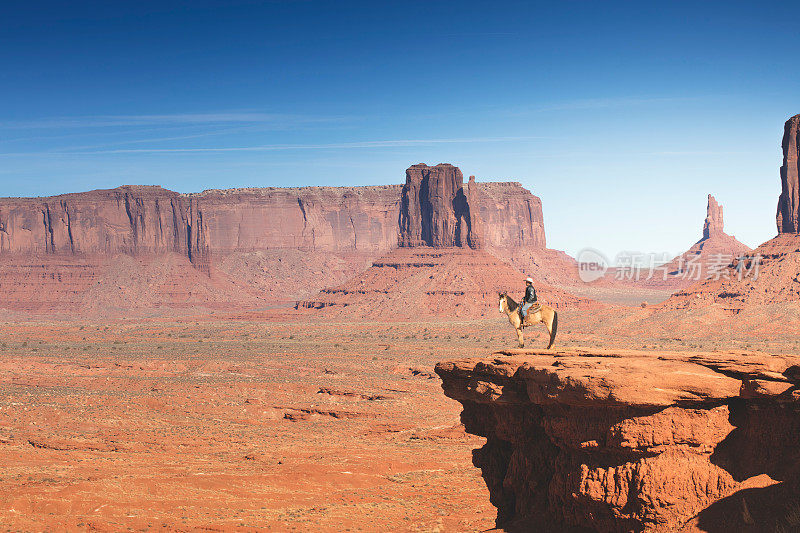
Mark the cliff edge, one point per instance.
(613, 441)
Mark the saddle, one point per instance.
(532, 309)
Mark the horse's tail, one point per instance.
(553, 329)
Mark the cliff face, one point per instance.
(154, 220)
(128, 220)
(789, 200)
(434, 208)
(277, 244)
(255, 245)
(309, 218)
(512, 217)
(437, 210)
(632, 441)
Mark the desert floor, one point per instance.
(221, 423)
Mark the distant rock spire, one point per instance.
(713, 225)
(788, 218)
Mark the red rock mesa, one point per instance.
(441, 267)
(145, 246)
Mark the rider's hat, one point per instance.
(528, 280)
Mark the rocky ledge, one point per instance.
(613, 441)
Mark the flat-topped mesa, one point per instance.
(788, 216)
(131, 219)
(281, 244)
(142, 219)
(435, 210)
(623, 440)
(713, 225)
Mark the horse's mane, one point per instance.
(511, 303)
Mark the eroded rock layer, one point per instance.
(618, 441)
(274, 244)
(714, 223)
(142, 219)
(408, 283)
(131, 220)
(437, 210)
(788, 214)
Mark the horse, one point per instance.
(544, 314)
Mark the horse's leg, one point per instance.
(552, 327)
(520, 338)
(547, 325)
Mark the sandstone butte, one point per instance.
(768, 274)
(147, 247)
(711, 254)
(454, 255)
(788, 216)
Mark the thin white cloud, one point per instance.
(351, 145)
(701, 152)
(399, 143)
(104, 121)
(224, 131)
(598, 103)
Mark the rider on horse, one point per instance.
(529, 299)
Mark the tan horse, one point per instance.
(545, 314)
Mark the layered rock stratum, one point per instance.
(714, 224)
(135, 246)
(438, 210)
(618, 440)
(456, 252)
(410, 283)
(149, 219)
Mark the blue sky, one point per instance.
(621, 116)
